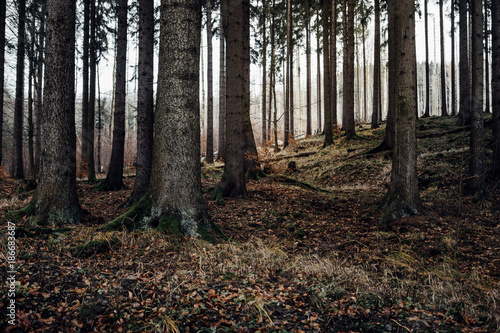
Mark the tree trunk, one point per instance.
(308, 70)
(453, 75)
(427, 112)
(55, 199)
(92, 92)
(31, 76)
(444, 109)
(403, 198)
(327, 88)
(288, 71)
(348, 101)
(17, 152)
(39, 91)
(486, 59)
(333, 63)
(2, 71)
(264, 72)
(318, 69)
(477, 164)
(465, 87)
(114, 180)
(273, 80)
(365, 99)
(495, 84)
(376, 68)
(222, 89)
(84, 160)
(176, 175)
(145, 105)
(210, 90)
(237, 28)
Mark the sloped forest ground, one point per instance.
(306, 252)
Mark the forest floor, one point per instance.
(306, 252)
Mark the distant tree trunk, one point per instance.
(403, 198)
(453, 75)
(237, 28)
(477, 164)
(17, 153)
(210, 94)
(327, 88)
(333, 62)
(114, 179)
(308, 70)
(273, 81)
(92, 93)
(39, 92)
(486, 59)
(495, 84)
(465, 87)
(288, 71)
(365, 99)
(348, 102)
(145, 105)
(84, 160)
(318, 69)
(222, 88)
(55, 199)
(427, 112)
(176, 174)
(264, 72)
(31, 76)
(2, 71)
(444, 109)
(376, 68)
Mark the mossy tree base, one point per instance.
(398, 208)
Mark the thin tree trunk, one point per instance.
(318, 69)
(465, 87)
(477, 164)
(210, 90)
(365, 100)
(17, 152)
(333, 63)
(444, 109)
(308, 70)
(348, 103)
(264, 72)
(31, 76)
(453, 72)
(327, 76)
(288, 71)
(84, 160)
(495, 84)
(92, 93)
(486, 59)
(222, 88)
(427, 72)
(376, 68)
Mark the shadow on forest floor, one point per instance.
(297, 259)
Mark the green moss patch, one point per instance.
(132, 218)
(94, 247)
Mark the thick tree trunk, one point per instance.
(222, 88)
(444, 109)
(403, 198)
(176, 175)
(2, 71)
(237, 30)
(210, 90)
(327, 88)
(376, 68)
(114, 180)
(39, 92)
(477, 164)
(333, 62)
(348, 100)
(453, 72)
(495, 84)
(17, 152)
(145, 105)
(465, 87)
(55, 199)
(427, 112)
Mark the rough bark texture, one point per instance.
(453, 73)
(308, 70)
(264, 72)
(92, 93)
(85, 86)
(39, 102)
(237, 28)
(210, 89)
(348, 100)
(444, 109)
(222, 89)
(318, 68)
(17, 151)
(114, 178)
(403, 198)
(55, 200)
(495, 83)
(465, 88)
(286, 118)
(477, 164)
(427, 112)
(145, 105)
(487, 105)
(376, 67)
(176, 174)
(2, 70)
(327, 76)
(333, 62)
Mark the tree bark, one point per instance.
(222, 87)
(237, 28)
(333, 63)
(176, 174)
(376, 68)
(327, 88)
(17, 152)
(92, 93)
(465, 87)
(427, 112)
(2, 71)
(403, 198)
(145, 105)
(286, 118)
(55, 199)
(84, 160)
(308, 70)
(348, 100)
(318, 69)
(444, 109)
(477, 164)
(486, 59)
(39, 91)
(453, 72)
(495, 84)
(210, 90)
(114, 179)
(264, 72)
